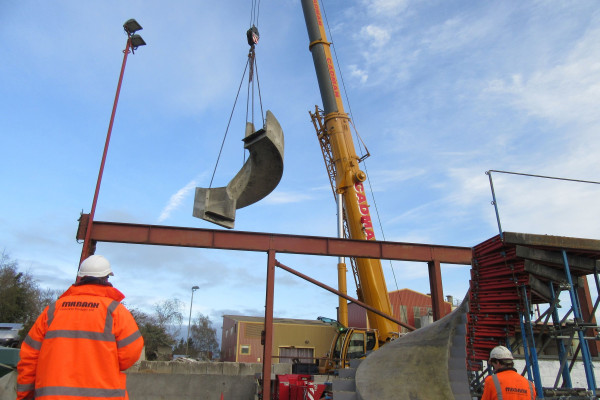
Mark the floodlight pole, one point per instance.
(87, 249)
(187, 341)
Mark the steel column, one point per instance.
(525, 348)
(268, 332)
(562, 353)
(437, 292)
(585, 352)
(532, 350)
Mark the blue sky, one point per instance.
(440, 92)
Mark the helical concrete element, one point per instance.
(426, 364)
(258, 177)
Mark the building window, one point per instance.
(245, 349)
(296, 354)
(417, 312)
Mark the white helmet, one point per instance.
(96, 266)
(501, 353)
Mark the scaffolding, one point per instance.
(514, 277)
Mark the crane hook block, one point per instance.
(252, 35)
(259, 176)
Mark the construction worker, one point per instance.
(79, 345)
(506, 383)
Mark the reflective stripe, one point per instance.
(106, 336)
(108, 323)
(129, 339)
(72, 334)
(50, 313)
(530, 390)
(497, 385)
(76, 391)
(33, 343)
(25, 387)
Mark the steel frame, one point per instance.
(434, 255)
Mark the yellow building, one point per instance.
(294, 340)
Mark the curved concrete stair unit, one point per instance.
(259, 176)
(344, 385)
(427, 364)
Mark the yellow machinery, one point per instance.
(333, 129)
(348, 344)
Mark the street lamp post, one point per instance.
(187, 342)
(133, 42)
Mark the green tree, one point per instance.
(21, 299)
(18, 292)
(203, 337)
(156, 328)
(180, 348)
(168, 314)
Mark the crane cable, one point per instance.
(360, 141)
(254, 13)
(252, 37)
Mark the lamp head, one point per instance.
(195, 288)
(132, 26)
(137, 41)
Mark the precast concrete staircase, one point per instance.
(344, 385)
(427, 364)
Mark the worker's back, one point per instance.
(508, 385)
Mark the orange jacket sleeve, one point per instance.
(489, 390)
(30, 350)
(128, 337)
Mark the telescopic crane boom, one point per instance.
(348, 176)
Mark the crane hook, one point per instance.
(252, 35)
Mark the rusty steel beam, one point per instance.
(117, 232)
(437, 292)
(343, 295)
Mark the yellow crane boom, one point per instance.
(348, 176)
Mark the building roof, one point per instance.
(412, 293)
(290, 321)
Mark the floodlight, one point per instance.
(132, 26)
(137, 41)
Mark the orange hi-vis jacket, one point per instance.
(508, 385)
(78, 347)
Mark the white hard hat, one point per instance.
(501, 353)
(96, 266)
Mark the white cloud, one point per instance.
(176, 200)
(565, 93)
(542, 206)
(376, 35)
(456, 33)
(385, 177)
(359, 74)
(280, 197)
(387, 7)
